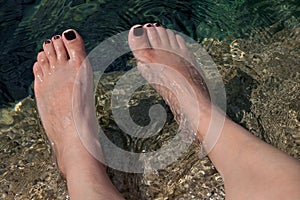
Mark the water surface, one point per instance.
(254, 43)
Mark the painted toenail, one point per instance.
(56, 37)
(157, 24)
(48, 41)
(149, 25)
(138, 31)
(70, 35)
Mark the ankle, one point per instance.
(74, 156)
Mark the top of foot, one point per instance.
(55, 75)
(166, 63)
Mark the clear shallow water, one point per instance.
(262, 86)
(26, 24)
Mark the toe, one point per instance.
(181, 42)
(50, 52)
(172, 39)
(37, 71)
(163, 35)
(43, 63)
(60, 49)
(74, 45)
(138, 39)
(153, 36)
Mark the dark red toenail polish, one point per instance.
(47, 41)
(56, 37)
(149, 25)
(70, 35)
(138, 31)
(157, 24)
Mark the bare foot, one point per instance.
(55, 72)
(166, 63)
(251, 169)
(58, 73)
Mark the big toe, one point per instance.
(74, 45)
(138, 41)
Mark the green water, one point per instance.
(254, 43)
(25, 24)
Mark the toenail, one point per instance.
(56, 37)
(157, 24)
(149, 25)
(48, 41)
(70, 35)
(138, 31)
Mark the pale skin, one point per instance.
(260, 171)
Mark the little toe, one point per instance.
(153, 36)
(74, 45)
(44, 63)
(37, 71)
(60, 49)
(138, 39)
(50, 52)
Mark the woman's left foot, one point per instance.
(63, 83)
(55, 74)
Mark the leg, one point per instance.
(55, 72)
(259, 171)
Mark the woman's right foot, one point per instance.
(166, 63)
(251, 169)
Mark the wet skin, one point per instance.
(260, 171)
